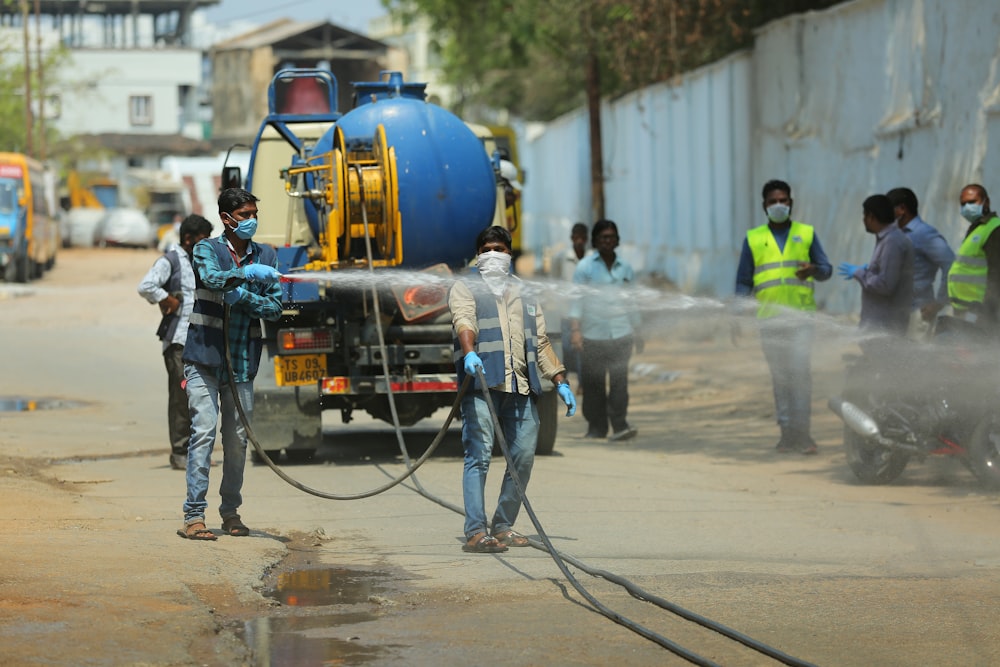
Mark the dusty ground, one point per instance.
(698, 509)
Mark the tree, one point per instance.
(541, 58)
(13, 122)
(531, 56)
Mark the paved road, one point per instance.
(698, 510)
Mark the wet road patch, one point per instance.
(321, 609)
(312, 587)
(309, 640)
(23, 404)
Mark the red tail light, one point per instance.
(305, 340)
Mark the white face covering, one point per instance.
(494, 267)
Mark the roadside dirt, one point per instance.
(698, 509)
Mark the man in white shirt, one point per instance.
(604, 327)
(170, 284)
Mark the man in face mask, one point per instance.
(500, 332)
(779, 263)
(604, 327)
(236, 280)
(974, 278)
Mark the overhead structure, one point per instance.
(171, 19)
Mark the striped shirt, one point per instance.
(261, 302)
(511, 312)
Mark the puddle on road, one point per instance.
(306, 635)
(309, 640)
(22, 404)
(326, 586)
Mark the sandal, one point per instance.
(196, 531)
(512, 538)
(481, 543)
(231, 525)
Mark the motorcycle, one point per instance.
(904, 400)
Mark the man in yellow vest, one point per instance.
(779, 264)
(974, 278)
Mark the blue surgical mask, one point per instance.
(972, 211)
(245, 229)
(778, 212)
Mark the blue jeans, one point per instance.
(518, 418)
(788, 348)
(204, 392)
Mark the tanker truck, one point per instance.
(372, 212)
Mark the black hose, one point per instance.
(546, 545)
(410, 469)
(557, 557)
(376, 303)
(640, 594)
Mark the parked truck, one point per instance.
(372, 213)
(29, 233)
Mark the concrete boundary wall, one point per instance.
(844, 103)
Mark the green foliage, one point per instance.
(528, 56)
(13, 125)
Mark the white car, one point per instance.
(80, 226)
(125, 227)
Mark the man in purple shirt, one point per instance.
(887, 279)
(932, 254)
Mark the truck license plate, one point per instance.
(299, 369)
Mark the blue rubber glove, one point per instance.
(261, 273)
(566, 394)
(847, 270)
(472, 362)
(233, 295)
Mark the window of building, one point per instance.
(140, 109)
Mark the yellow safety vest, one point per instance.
(967, 277)
(774, 281)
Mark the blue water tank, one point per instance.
(447, 188)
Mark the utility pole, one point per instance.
(596, 150)
(41, 81)
(29, 147)
(593, 91)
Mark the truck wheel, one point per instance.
(17, 270)
(273, 454)
(548, 422)
(300, 455)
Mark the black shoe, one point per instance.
(594, 435)
(625, 434)
(178, 461)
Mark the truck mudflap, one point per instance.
(285, 418)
